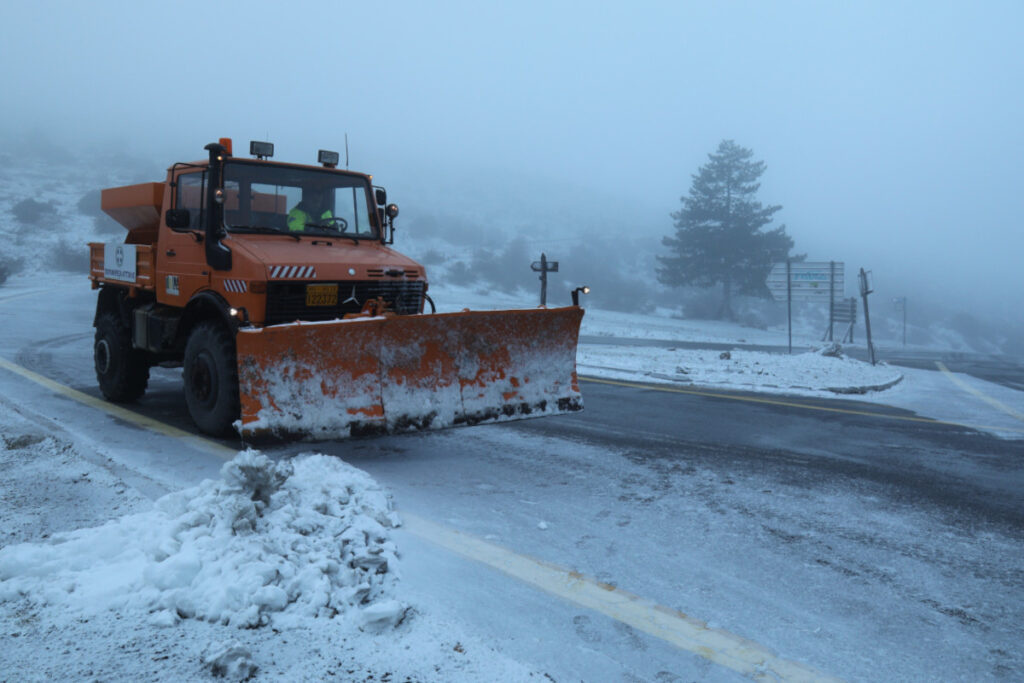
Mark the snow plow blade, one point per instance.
(403, 373)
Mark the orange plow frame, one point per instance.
(400, 373)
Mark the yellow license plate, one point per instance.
(321, 295)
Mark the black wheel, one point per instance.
(122, 371)
(211, 378)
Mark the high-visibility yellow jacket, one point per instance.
(297, 218)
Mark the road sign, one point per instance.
(845, 311)
(808, 281)
(544, 267)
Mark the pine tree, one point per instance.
(719, 237)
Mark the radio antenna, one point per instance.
(346, 151)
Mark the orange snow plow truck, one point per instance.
(274, 286)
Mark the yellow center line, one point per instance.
(971, 390)
(117, 411)
(12, 297)
(793, 404)
(672, 626)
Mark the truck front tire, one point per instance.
(211, 379)
(122, 371)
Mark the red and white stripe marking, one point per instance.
(236, 286)
(289, 272)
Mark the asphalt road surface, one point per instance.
(859, 539)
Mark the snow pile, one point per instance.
(268, 543)
(230, 660)
(815, 371)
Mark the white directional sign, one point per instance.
(808, 281)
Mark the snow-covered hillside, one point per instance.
(49, 209)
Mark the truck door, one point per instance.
(181, 259)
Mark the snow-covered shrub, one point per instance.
(32, 212)
(70, 256)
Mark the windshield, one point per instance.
(296, 201)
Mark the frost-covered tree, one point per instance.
(719, 236)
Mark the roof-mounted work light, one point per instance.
(327, 158)
(261, 150)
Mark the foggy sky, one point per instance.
(892, 132)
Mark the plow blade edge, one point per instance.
(394, 374)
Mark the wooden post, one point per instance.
(864, 291)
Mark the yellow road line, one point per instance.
(792, 404)
(987, 399)
(119, 412)
(672, 626)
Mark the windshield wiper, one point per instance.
(263, 230)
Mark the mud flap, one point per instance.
(393, 374)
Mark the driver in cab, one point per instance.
(313, 208)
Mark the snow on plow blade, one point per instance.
(394, 374)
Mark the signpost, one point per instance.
(544, 267)
(816, 281)
(808, 281)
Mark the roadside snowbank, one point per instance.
(812, 372)
(113, 624)
(269, 543)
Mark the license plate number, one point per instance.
(321, 295)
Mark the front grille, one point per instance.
(286, 301)
(392, 272)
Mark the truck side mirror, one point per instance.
(178, 218)
(381, 196)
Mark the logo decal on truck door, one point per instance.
(119, 262)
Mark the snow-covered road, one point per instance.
(836, 570)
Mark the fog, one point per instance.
(892, 133)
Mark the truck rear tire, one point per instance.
(122, 371)
(211, 379)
